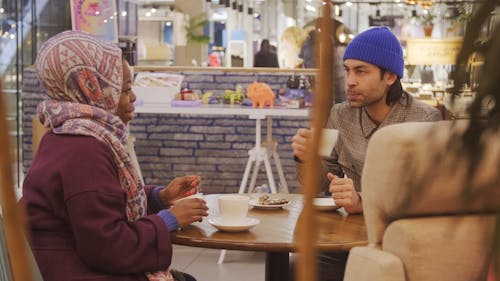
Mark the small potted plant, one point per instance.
(428, 23)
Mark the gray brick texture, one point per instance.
(214, 147)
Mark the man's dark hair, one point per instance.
(395, 90)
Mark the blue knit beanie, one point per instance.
(378, 46)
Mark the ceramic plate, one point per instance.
(325, 204)
(245, 226)
(256, 204)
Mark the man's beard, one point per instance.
(364, 103)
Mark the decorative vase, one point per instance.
(428, 30)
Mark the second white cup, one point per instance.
(233, 209)
(328, 140)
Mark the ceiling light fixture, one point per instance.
(426, 4)
(310, 8)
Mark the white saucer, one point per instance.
(325, 204)
(246, 225)
(255, 204)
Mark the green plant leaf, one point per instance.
(194, 29)
(428, 19)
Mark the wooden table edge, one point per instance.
(259, 247)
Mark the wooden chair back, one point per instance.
(16, 262)
(38, 131)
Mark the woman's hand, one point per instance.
(189, 210)
(179, 188)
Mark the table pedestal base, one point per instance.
(277, 266)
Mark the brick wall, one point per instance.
(214, 147)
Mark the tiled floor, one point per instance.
(202, 264)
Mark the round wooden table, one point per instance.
(275, 234)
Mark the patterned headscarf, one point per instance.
(83, 79)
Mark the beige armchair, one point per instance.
(422, 223)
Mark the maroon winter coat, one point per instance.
(76, 214)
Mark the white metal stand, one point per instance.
(222, 255)
(262, 152)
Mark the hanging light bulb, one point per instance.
(426, 4)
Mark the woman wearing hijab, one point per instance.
(90, 217)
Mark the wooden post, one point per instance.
(306, 267)
(12, 212)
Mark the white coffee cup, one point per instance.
(328, 140)
(233, 209)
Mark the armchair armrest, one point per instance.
(372, 264)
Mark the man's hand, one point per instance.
(179, 188)
(189, 210)
(300, 142)
(344, 194)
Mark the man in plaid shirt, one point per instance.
(374, 65)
